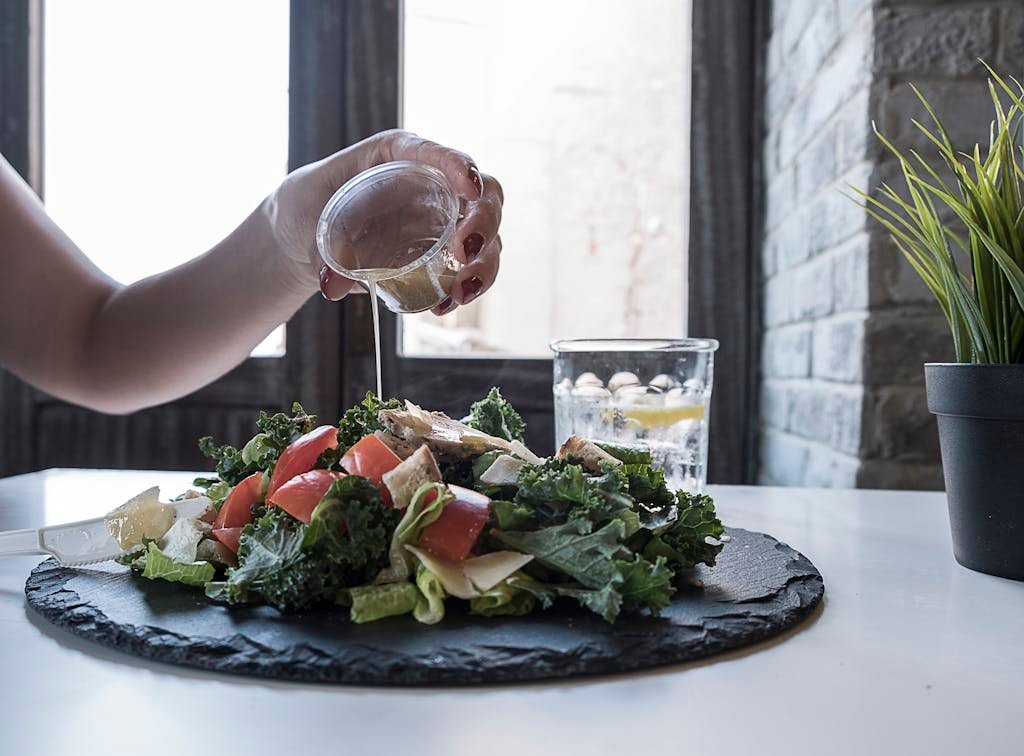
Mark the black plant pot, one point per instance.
(980, 410)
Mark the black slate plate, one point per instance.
(759, 588)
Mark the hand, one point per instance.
(294, 208)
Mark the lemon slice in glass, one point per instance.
(661, 417)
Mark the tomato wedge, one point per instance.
(236, 511)
(229, 537)
(300, 495)
(301, 455)
(453, 535)
(371, 458)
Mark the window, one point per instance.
(164, 125)
(582, 112)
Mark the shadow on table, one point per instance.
(68, 640)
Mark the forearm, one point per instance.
(72, 332)
(168, 335)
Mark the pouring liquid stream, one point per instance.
(375, 308)
(413, 291)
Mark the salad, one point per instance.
(396, 510)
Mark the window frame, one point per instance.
(726, 220)
(37, 430)
(725, 228)
(345, 65)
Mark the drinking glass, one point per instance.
(648, 393)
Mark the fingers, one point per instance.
(477, 275)
(480, 222)
(477, 246)
(458, 167)
(332, 286)
(445, 306)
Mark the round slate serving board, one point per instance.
(759, 588)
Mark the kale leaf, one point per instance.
(631, 455)
(645, 584)
(352, 527)
(646, 484)
(494, 416)
(585, 557)
(631, 584)
(262, 450)
(559, 491)
(361, 420)
(292, 566)
(457, 472)
(685, 533)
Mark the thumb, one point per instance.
(332, 286)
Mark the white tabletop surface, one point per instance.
(909, 654)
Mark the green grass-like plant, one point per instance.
(984, 303)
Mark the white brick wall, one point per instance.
(847, 323)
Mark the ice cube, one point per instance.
(638, 395)
(694, 385)
(589, 379)
(621, 380)
(677, 397)
(664, 382)
(591, 392)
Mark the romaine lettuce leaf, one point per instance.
(160, 566)
(374, 602)
(430, 606)
(421, 512)
(503, 600)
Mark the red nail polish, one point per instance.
(445, 306)
(472, 246)
(325, 279)
(477, 179)
(471, 289)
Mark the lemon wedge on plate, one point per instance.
(661, 417)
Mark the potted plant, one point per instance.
(961, 225)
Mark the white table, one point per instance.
(910, 653)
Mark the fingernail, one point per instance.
(325, 279)
(471, 289)
(445, 306)
(477, 179)
(472, 246)
(326, 274)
